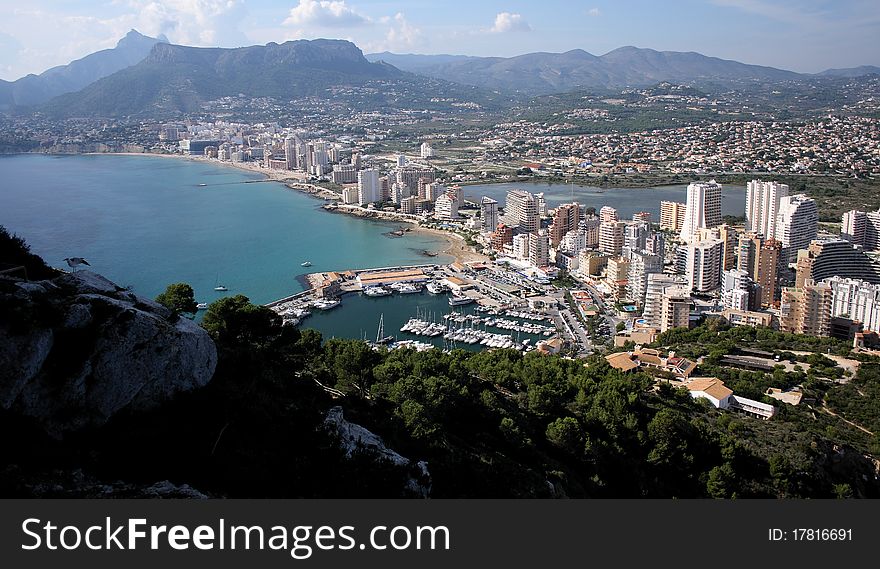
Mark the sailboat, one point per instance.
(219, 287)
(381, 338)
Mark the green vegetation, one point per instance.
(717, 336)
(822, 382)
(489, 424)
(180, 298)
(564, 280)
(859, 400)
(15, 254)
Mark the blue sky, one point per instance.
(805, 35)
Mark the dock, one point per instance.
(505, 305)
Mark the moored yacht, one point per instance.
(376, 291)
(409, 288)
(435, 287)
(458, 299)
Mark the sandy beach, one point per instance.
(456, 247)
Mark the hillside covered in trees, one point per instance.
(490, 424)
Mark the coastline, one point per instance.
(455, 245)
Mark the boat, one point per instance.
(435, 287)
(376, 291)
(381, 338)
(459, 299)
(327, 303)
(219, 287)
(306, 264)
(409, 288)
(202, 185)
(202, 306)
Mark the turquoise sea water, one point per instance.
(146, 222)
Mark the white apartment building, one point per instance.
(796, 225)
(399, 192)
(853, 226)
(521, 246)
(856, 300)
(539, 248)
(862, 229)
(642, 264)
(542, 204)
(667, 302)
(703, 268)
(521, 210)
(702, 209)
(445, 208)
(489, 213)
(573, 242)
(369, 188)
(735, 289)
(762, 206)
(432, 191)
(350, 195)
(611, 237)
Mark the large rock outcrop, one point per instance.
(77, 349)
(353, 437)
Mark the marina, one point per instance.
(414, 315)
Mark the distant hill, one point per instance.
(543, 73)
(414, 62)
(37, 89)
(852, 71)
(176, 78)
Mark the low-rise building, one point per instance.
(747, 317)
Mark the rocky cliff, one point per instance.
(353, 437)
(77, 349)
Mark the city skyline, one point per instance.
(807, 36)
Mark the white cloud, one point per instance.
(50, 36)
(191, 22)
(594, 12)
(400, 36)
(325, 14)
(507, 22)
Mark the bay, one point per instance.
(146, 222)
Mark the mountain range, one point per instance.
(174, 78)
(36, 89)
(545, 73)
(852, 71)
(149, 76)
